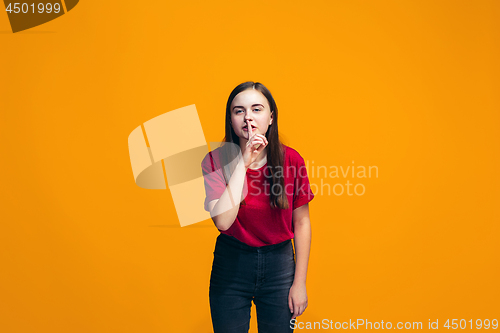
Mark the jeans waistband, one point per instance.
(233, 241)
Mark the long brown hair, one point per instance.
(275, 149)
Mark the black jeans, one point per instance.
(242, 273)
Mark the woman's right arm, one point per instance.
(224, 210)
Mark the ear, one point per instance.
(271, 121)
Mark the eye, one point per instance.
(257, 109)
(238, 111)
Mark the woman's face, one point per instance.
(253, 106)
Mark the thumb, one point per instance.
(290, 304)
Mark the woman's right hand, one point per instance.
(255, 145)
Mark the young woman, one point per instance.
(257, 194)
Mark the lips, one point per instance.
(245, 128)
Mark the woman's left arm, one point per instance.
(297, 297)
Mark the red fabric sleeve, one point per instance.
(215, 184)
(302, 193)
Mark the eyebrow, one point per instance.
(243, 107)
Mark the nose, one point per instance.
(248, 116)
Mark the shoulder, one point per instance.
(211, 154)
(211, 159)
(292, 155)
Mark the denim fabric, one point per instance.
(242, 274)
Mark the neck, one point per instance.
(260, 161)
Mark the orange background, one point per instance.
(411, 87)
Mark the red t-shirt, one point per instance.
(257, 224)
